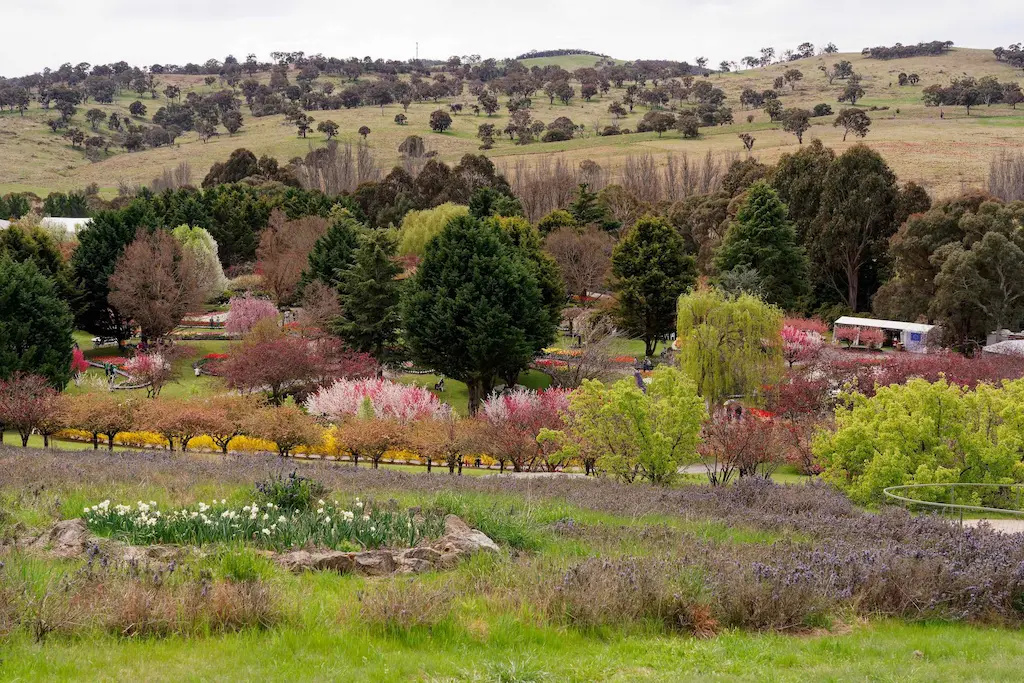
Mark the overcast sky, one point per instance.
(49, 32)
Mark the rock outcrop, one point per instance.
(459, 541)
(72, 538)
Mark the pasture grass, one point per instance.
(944, 155)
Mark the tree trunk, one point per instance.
(473, 386)
(649, 346)
(355, 459)
(46, 440)
(95, 442)
(460, 466)
(110, 442)
(429, 463)
(24, 439)
(852, 287)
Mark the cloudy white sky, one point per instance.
(49, 32)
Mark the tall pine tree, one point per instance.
(475, 307)
(35, 324)
(334, 253)
(370, 297)
(650, 269)
(762, 238)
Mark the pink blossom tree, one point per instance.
(798, 345)
(388, 400)
(871, 337)
(515, 419)
(149, 369)
(245, 311)
(845, 335)
(809, 325)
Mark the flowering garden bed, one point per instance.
(266, 525)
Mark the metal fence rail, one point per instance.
(952, 506)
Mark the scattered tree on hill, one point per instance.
(854, 121)
(792, 77)
(748, 141)
(401, 119)
(796, 121)
(364, 131)
(485, 131)
(137, 109)
(95, 117)
(650, 269)
(303, 123)
(489, 103)
(328, 128)
(232, 121)
(688, 126)
(852, 92)
(440, 121)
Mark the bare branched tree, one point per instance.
(337, 168)
(1006, 176)
(583, 258)
(595, 358)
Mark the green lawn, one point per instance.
(185, 383)
(501, 648)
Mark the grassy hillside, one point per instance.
(567, 62)
(944, 154)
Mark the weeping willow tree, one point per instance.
(730, 346)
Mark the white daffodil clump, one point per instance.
(264, 525)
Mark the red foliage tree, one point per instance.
(746, 447)
(79, 365)
(291, 365)
(26, 401)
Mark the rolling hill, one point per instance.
(944, 153)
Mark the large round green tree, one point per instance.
(762, 238)
(35, 324)
(370, 297)
(650, 269)
(475, 307)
